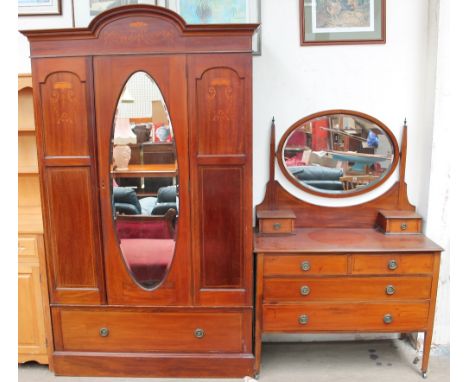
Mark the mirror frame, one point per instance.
(297, 183)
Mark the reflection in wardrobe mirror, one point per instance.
(145, 181)
(338, 153)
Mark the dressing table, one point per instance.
(341, 269)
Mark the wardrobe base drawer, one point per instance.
(353, 317)
(143, 331)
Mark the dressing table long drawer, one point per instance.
(129, 331)
(346, 288)
(312, 317)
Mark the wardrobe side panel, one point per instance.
(220, 97)
(64, 107)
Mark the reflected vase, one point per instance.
(122, 155)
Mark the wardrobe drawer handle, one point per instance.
(305, 290)
(392, 265)
(403, 226)
(390, 289)
(305, 266)
(103, 332)
(199, 333)
(388, 319)
(303, 319)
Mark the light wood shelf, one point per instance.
(27, 154)
(26, 110)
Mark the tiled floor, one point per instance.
(382, 361)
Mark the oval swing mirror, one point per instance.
(338, 153)
(145, 181)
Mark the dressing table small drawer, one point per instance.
(304, 265)
(401, 222)
(392, 264)
(316, 317)
(346, 289)
(276, 221)
(276, 226)
(130, 331)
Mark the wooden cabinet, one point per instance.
(198, 321)
(33, 313)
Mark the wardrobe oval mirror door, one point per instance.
(145, 181)
(338, 153)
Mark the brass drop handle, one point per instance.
(403, 226)
(305, 266)
(103, 332)
(277, 226)
(392, 265)
(305, 290)
(390, 289)
(388, 319)
(303, 319)
(199, 333)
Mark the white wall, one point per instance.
(390, 82)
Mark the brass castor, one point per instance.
(424, 374)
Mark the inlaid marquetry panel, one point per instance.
(65, 123)
(220, 101)
(73, 248)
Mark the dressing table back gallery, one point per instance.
(360, 268)
(149, 242)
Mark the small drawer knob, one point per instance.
(103, 332)
(277, 226)
(403, 226)
(305, 266)
(303, 319)
(392, 265)
(388, 319)
(305, 290)
(199, 333)
(390, 289)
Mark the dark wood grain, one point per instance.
(152, 330)
(220, 98)
(65, 142)
(168, 365)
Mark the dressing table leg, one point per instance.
(426, 352)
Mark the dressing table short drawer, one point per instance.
(305, 265)
(392, 264)
(125, 331)
(347, 289)
(316, 317)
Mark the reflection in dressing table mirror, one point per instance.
(145, 181)
(338, 153)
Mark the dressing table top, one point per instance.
(327, 240)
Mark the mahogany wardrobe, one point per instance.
(197, 320)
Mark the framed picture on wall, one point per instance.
(39, 7)
(326, 22)
(220, 12)
(85, 10)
